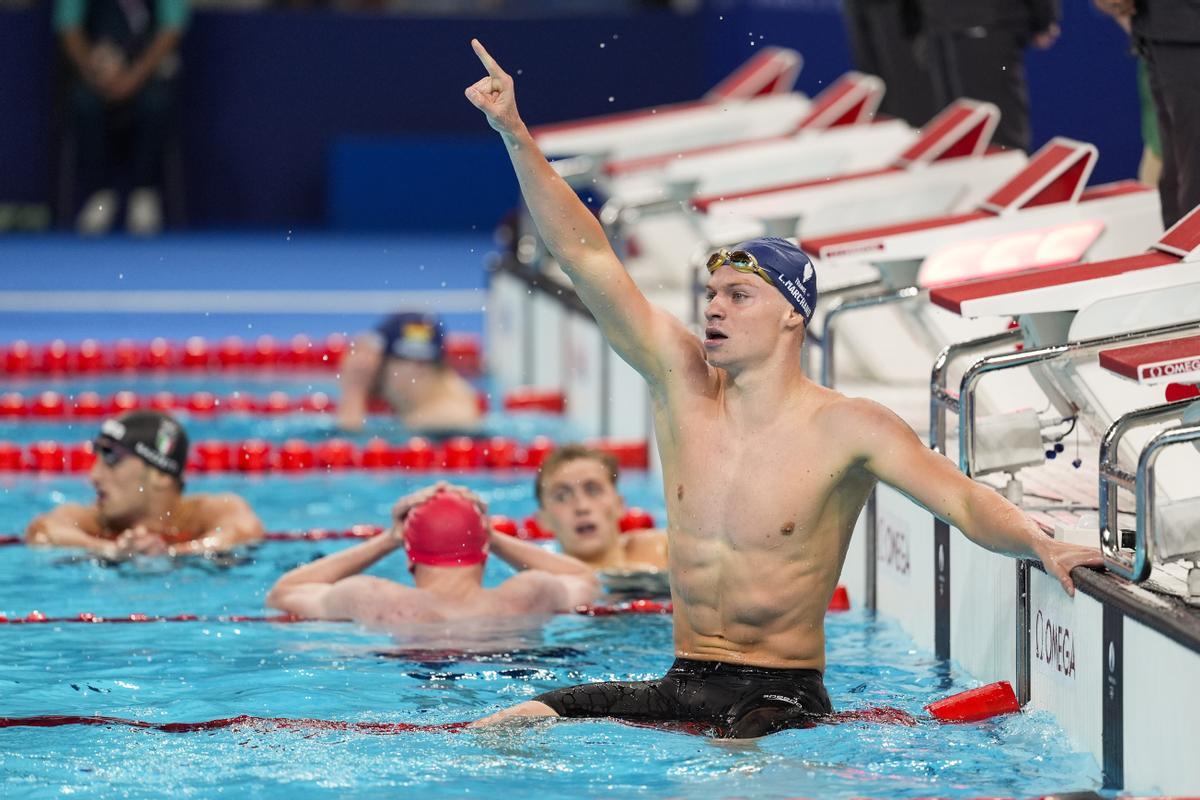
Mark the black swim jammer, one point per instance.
(734, 701)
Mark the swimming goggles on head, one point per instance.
(110, 452)
(741, 260)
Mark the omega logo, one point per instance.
(893, 547)
(1054, 646)
(1171, 368)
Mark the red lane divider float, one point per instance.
(90, 357)
(881, 715)
(50, 405)
(240, 722)
(967, 707)
(634, 519)
(87, 618)
(298, 455)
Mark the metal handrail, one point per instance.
(826, 342)
(1113, 478)
(974, 374)
(940, 399)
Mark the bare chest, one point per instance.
(752, 487)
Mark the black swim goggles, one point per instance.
(110, 452)
(741, 260)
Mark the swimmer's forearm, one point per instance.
(524, 555)
(50, 532)
(343, 564)
(567, 227)
(995, 524)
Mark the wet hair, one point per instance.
(573, 452)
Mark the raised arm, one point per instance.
(357, 378)
(576, 579)
(891, 451)
(322, 589)
(650, 340)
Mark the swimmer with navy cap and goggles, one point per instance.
(445, 533)
(140, 506)
(402, 362)
(765, 472)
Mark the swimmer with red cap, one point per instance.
(140, 506)
(445, 533)
(402, 362)
(764, 471)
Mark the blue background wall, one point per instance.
(276, 102)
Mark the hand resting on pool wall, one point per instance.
(764, 471)
(444, 531)
(140, 507)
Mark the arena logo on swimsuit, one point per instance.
(1054, 645)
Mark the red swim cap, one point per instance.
(446, 530)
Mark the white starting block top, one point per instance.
(772, 70)
(1074, 287)
(1057, 173)
(1168, 361)
(851, 100)
(964, 128)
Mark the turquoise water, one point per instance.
(187, 672)
(523, 426)
(203, 670)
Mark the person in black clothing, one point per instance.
(881, 40)
(1167, 35)
(976, 49)
(125, 57)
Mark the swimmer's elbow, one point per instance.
(580, 590)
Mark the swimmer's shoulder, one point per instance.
(85, 518)
(648, 545)
(858, 422)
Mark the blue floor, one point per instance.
(214, 285)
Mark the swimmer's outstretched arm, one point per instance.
(650, 340)
(887, 447)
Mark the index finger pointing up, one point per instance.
(489, 63)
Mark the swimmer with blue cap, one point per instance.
(402, 362)
(445, 533)
(765, 472)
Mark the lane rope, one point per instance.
(629, 607)
(197, 354)
(334, 455)
(52, 406)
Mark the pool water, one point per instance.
(211, 669)
(522, 426)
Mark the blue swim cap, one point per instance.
(791, 271)
(413, 336)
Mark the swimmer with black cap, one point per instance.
(765, 472)
(403, 363)
(140, 507)
(445, 533)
